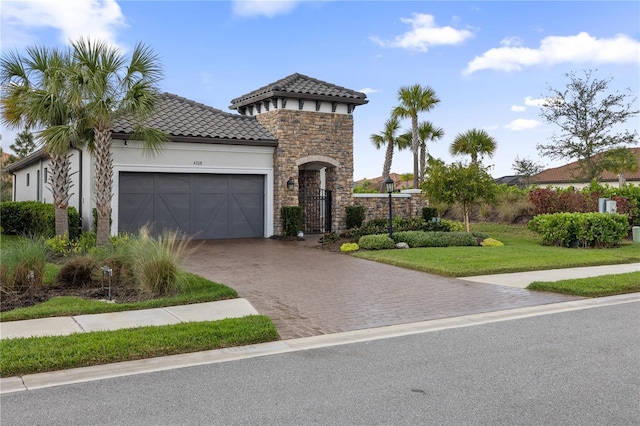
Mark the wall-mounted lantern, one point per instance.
(290, 184)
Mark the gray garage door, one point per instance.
(202, 206)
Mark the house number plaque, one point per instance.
(197, 163)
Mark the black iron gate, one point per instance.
(316, 211)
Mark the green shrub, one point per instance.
(61, 246)
(376, 242)
(33, 218)
(490, 242)
(454, 225)
(580, 229)
(435, 239)
(347, 247)
(355, 216)
(291, 217)
(329, 237)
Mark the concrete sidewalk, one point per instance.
(61, 326)
(523, 279)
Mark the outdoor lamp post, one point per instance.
(389, 186)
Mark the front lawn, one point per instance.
(40, 354)
(521, 252)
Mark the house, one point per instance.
(564, 176)
(223, 175)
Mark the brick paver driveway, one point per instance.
(307, 291)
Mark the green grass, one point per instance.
(522, 252)
(196, 290)
(40, 354)
(606, 285)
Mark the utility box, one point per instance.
(602, 205)
(611, 206)
(636, 234)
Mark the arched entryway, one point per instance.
(316, 177)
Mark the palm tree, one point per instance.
(34, 93)
(619, 161)
(474, 142)
(413, 100)
(388, 137)
(427, 132)
(108, 87)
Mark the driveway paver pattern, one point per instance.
(307, 291)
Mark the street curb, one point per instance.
(99, 372)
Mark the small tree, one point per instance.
(587, 114)
(620, 161)
(24, 144)
(459, 183)
(525, 168)
(475, 143)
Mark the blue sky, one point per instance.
(490, 63)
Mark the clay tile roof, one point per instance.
(567, 173)
(187, 120)
(301, 86)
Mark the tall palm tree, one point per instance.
(388, 137)
(34, 91)
(108, 86)
(620, 161)
(474, 142)
(427, 132)
(414, 100)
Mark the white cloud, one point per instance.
(96, 19)
(424, 33)
(518, 108)
(268, 8)
(368, 90)
(511, 42)
(535, 101)
(581, 48)
(522, 124)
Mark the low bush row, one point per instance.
(34, 218)
(581, 229)
(381, 226)
(421, 239)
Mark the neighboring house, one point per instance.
(564, 176)
(224, 175)
(513, 180)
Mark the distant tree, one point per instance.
(24, 144)
(388, 137)
(474, 142)
(414, 100)
(427, 132)
(587, 115)
(459, 183)
(6, 182)
(620, 161)
(525, 168)
(406, 178)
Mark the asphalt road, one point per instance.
(573, 368)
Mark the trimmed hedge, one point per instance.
(355, 216)
(381, 226)
(291, 220)
(580, 229)
(35, 218)
(435, 239)
(376, 242)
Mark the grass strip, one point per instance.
(196, 290)
(40, 354)
(606, 285)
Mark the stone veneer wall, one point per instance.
(404, 205)
(305, 133)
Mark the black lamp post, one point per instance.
(389, 186)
